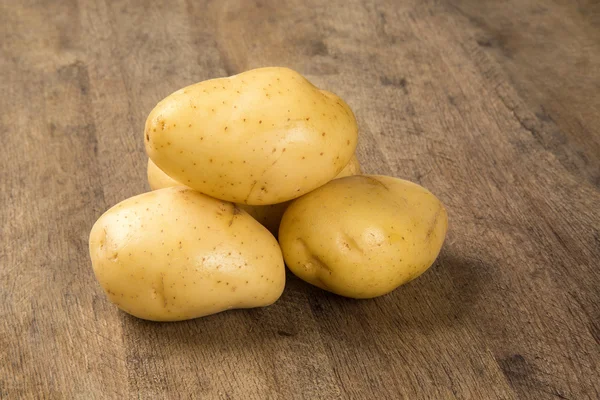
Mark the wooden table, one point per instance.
(492, 105)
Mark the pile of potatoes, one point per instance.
(236, 162)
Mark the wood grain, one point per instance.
(491, 105)
(550, 51)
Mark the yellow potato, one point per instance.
(363, 236)
(176, 254)
(269, 216)
(265, 136)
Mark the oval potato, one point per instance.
(262, 137)
(269, 216)
(176, 254)
(363, 236)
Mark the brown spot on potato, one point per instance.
(250, 191)
(351, 243)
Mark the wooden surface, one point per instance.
(492, 105)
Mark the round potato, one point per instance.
(262, 137)
(176, 254)
(269, 216)
(363, 236)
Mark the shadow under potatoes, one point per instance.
(437, 299)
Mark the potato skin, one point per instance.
(262, 137)
(176, 254)
(363, 236)
(269, 216)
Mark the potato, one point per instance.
(176, 254)
(269, 216)
(363, 236)
(265, 136)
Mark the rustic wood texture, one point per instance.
(492, 105)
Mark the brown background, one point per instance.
(493, 105)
